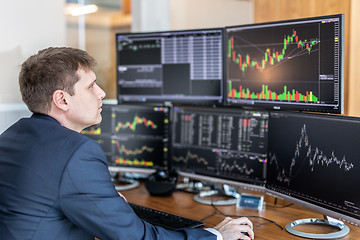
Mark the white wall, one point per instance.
(26, 27)
(10, 113)
(210, 13)
(150, 15)
(159, 15)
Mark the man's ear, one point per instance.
(60, 99)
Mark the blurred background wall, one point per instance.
(28, 26)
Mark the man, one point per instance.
(54, 181)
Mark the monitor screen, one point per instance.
(220, 145)
(174, 66)
(294, 64)
(134, 138)
(312, 161)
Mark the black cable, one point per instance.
(275, 203)
(261, 224)
(212, 214)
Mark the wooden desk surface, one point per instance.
(182, 203)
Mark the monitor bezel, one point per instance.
(313, 207)
(172, 99)
(253, 104)
(223, 181)
(124, 169)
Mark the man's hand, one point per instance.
(233, 229)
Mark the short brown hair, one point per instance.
(49, 70)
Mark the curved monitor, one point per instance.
(220, 145)
(293, 64)
(135, 138)
(313, 161)
(173, 66)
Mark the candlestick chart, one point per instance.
(271, 58)
(136, 152)
(133, 136)
(144, 123)
(134, 123)
(258, 64)
(294, 63)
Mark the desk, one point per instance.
(182, 203)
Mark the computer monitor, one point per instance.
(135, 138)
(313, 162)
(173, 66)
(292, 64)
(220, 145)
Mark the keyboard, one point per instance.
(164, 219)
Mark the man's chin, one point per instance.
(99, 120)
(96, 123)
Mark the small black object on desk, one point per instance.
(161, 183)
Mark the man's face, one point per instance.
(85, 104)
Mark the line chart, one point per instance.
(254, 60)
(133, 124)
(190, 156)
(272, 56)
(235, 166)
(307, 155)
(123, 150)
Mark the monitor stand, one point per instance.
(227, 193)
(191, 186)
(122, 182)
(343, 229)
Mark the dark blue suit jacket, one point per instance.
(55, 184)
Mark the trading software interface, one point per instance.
(295, 64)
(315, 158)
(220, 143)
(174, 66)
(133, 135)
